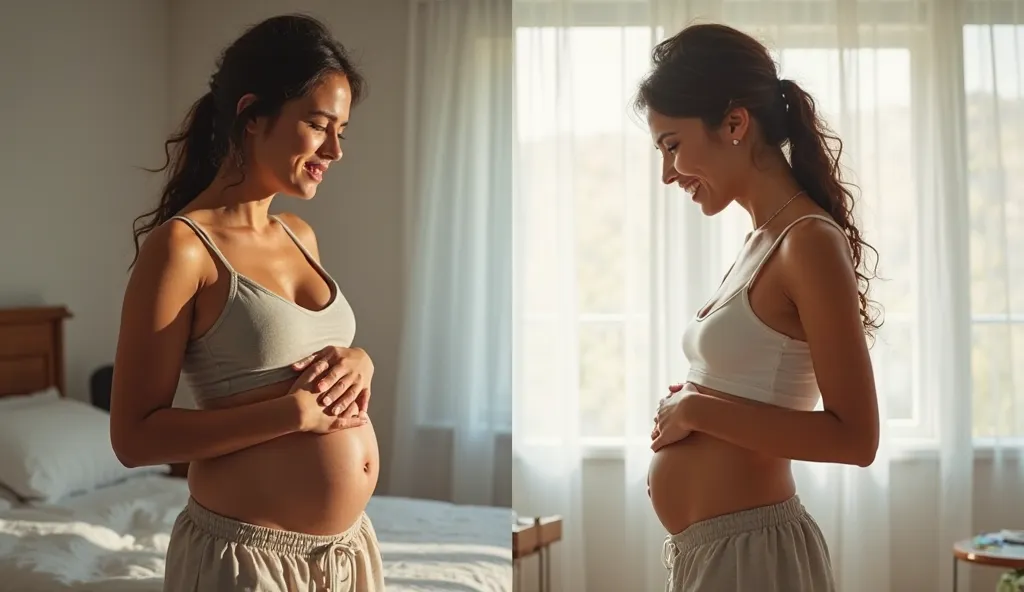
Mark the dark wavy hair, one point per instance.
(280, 59)
(706, 70)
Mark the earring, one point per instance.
(735, 142)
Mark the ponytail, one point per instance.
(193, 157)
(814, 152)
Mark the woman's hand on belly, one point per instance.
(670, 424)
(314, 417)
(672, 389)
(343, 376)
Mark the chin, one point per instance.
(712, 209)
(302, 190)
(709, 206)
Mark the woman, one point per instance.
(786, 326)
(282, 464)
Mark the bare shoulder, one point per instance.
(173, 248)
(816, 259)
(302, 230)
(814, 243)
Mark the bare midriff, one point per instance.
(701, 477)
(310, 483)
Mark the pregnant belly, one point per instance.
(701, 477)
(310, 483)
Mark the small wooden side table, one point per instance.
(1004, 555)
(534, 536)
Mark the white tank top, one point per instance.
(732, 351)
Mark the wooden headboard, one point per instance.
(32, 349)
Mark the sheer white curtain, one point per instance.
(927, 97)
(990, 257)
(454, 394)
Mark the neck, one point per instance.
(767, 189)
(238, 204)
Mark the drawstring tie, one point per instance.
(669, 552)
(334, 571)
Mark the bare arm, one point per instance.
(156, 319)
(820, 280)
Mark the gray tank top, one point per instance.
(259, 334)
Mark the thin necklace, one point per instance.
(779, 211)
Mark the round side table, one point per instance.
(997, 554)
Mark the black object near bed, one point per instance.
(100, 383)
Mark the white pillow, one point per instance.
(55, 449)
(47, 395)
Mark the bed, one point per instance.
(72, 518)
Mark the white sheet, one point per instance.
(115, 539)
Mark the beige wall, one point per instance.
(83, 105)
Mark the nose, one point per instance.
(669, 174)
(331, 149)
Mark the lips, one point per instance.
(692, 187)
(315, 170)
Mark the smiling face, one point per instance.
(704, 162)
(292, 152)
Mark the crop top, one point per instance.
(259, 334)
(733, 351)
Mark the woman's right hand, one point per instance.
(314, 417)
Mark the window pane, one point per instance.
(997, 364)
(602, 379)
(995, 106)
(994, 86)
(893, 356)
(539, 377)
(585, 175)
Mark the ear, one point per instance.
(736, 124)
(244, 102)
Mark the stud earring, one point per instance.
(735, 142)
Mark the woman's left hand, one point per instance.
(670, 424)
(345, 374)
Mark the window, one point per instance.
(994, 87)
(575, 87)
(589, 166)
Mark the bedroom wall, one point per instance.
(83, 105)
(914, 493)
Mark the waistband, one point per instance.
(270, 539)
(730, 525)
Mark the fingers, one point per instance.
(315, 368)
(347, 399)
(343, 423)
(301, 364)
(337, 372)
(659, 442)
(350, 411)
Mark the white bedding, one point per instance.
(115, 538)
